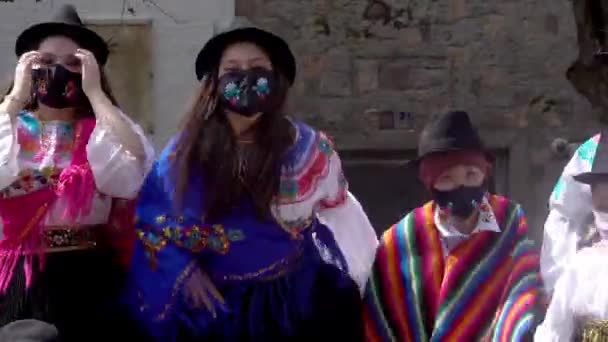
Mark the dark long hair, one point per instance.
(208, 146)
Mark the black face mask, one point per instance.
(460, 202)
(57, 87)
(248, 92)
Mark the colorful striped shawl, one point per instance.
(485, 289)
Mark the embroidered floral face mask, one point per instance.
(248, 92)
(57, 87)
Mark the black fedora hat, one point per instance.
(599, 167)
(66, 22)
(449, 132)
(277, 49)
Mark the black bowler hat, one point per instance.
(448, 132)
(599, 168)
(66, 22)
(277, 49)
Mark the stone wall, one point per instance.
(362, 62)
(372, 71)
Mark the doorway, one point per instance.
(388, 186)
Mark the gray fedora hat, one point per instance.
(29, 330)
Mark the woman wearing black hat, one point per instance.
(232, 244)
(578, 310)
(459, 268)
(69, 157)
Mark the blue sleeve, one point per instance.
(165, 254)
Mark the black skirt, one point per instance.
(77, 291)
(314, 301)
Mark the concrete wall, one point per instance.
(503, 61)
(179, 29)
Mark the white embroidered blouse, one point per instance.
(33, 153)
(316, 186)
(580, 294)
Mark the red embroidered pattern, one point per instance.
(302, 183)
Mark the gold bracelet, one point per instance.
(15, 99)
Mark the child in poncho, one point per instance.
(460, 267)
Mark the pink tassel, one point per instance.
(9, 258)
(22, 238)
(7, 269)
(8, 262)
(28, 265)
(22, 232)
(76, 182)
(33, 247)
(77, 188)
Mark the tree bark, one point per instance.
(589, 73)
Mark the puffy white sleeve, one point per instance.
(345, 217)
(9, 151)
(117, 172)
(558, 325)
(569, 205)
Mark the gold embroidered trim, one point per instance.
(278, 269)
(192, 238)
(177, 286)
(70, 237)
(594, 331)
(292, 227)
(281, 267)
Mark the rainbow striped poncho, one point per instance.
(487, 288)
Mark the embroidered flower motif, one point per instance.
(27, 182)
(54, 177)
(296, 226)
(42, 86)
(65, 141)
(324, 146)
(214, 243)
(45, 142)
(289, 187)
(153, 238)
(70, 90)
(194, 234)
(299, 183)
(235, 235)
(161, 219)
(232, 92)
(193, 238)
(28, 137)
(261, 87)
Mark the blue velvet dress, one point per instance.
(276, 284)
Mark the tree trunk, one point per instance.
(589, 73)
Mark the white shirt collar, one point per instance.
(485, 222)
